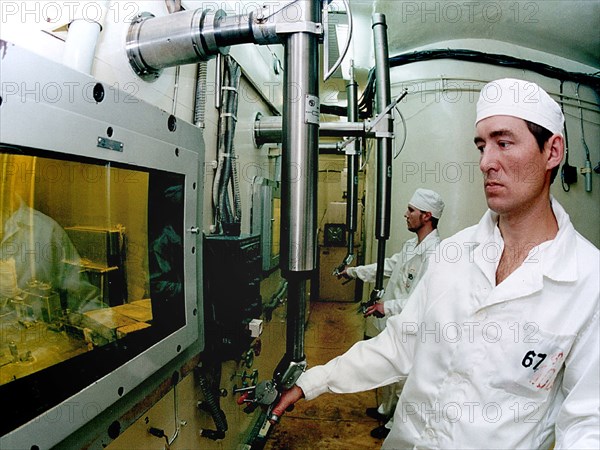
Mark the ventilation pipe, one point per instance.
(155, 43)
(84, 31)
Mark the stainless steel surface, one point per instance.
(75, 121)
(300, 149)
(384, 152)
(154, 43)
(268, 129)
(330, 147)
(352, 163)
(384, 145)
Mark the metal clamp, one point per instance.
(293, 372)
(299, 27)
(376, 295)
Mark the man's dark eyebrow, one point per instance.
(495, 134)
(501, 133)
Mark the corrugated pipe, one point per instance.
(200, 98)
(211, 405)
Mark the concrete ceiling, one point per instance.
(566, 28)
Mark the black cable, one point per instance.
(568, 173)
(367, 99)
(226, 212)
(592, 80)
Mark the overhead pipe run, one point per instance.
(155, 43)
(269, 130)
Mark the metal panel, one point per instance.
(47, 106)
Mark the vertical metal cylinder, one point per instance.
(384, 144)
(296, 318)
(587, 172)
(352, 162)
(300, 148)
(300, 143)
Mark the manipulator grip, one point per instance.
(376, 295)
(286, 379)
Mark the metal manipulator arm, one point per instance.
(267, 393)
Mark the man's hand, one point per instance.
(376, 309)
(343, 274)
(287, 400)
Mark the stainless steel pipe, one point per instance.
(300, 143)
(154, 43)
(384, 145)
(352, 163)
(268, 130)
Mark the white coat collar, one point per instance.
(22, 217)
(431, 240)
(555, 259)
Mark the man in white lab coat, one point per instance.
(36, 253)
(499, 343)
(404, 270)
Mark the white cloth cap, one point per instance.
(428, 200)
(522, 99)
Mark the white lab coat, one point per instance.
(508, 366)
(39, 250)
(404, 270)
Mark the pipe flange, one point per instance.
(258, 143)
(209, 26)
(134, 54)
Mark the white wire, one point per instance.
(403, 136)
(348, 40)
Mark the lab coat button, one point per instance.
(430, 432)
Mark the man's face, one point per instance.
(514, 170)
(415, 219)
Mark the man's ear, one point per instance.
(556, 151)
(428, 216)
